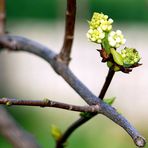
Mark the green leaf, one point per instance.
(46, 100)
(116, 68)
(118, 111)
(116, 56)
(109, 64)
(86, 114)
(8, 103)
(56, 132)
(109, 101)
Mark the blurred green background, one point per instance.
(44, 22)
(127, 10)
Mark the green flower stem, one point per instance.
(82, 120)
(105, 43)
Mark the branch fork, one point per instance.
(59, 63)
(23, 44)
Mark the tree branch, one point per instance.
(48, 103)
(2, 16)
(107, 83)
(83, 120)
(64, 54)
(22, 44)
(16, 43)
(14, 133)
(8, 126)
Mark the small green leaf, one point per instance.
(118, 111)
(8, 103)
(116, 56)
(46, 100)
(109, 101)
(109, 64)
(56, 132)
(116, 68)
(86, 114)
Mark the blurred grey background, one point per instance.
(23, 75)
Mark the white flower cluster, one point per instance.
(116, 39)
(106, 25)
(98, 25)
(95, 35)
(100, 32)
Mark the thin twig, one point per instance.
(17, 136)
(107, 83)
(71, 129)
(2, 16)
(9, 128)
(64, 54)
(83, 120)
(16, 43)
(48, 103)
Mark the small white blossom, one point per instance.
(98, 25)
(102, 21)
(106, 25)
(116, 39)
(95, 35)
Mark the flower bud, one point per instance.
(130, 56)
